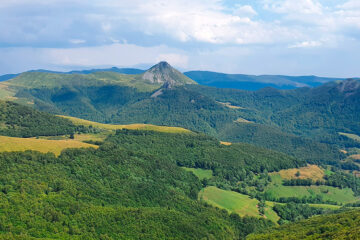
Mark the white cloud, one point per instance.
(244, 10)
(306, 44)
(174, 59)
(77, 41)
(197, 20)
(295, 6)
(16, 60)
(350, 5)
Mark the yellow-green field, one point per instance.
(139, 126)
(345, 195)
(350, 135)
(355, 156)
(5, 92)
(225, 143)
(313, 172)
(235, 202)
(242, 120)
(229, 105)
(200, 173)
(11, 144)
(276, 189)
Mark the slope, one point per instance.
(252, 82)
(21, 121)
(345, 225)
(103, 193)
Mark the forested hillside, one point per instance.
(102, 194)
(344, 225)
(253, 82)
(310, 124)
(21, 121)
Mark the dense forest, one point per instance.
(230, 164)
(145, 185)
(344, 225)
(109, 193)
(122, 104)
(21, 121)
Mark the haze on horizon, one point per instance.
(289, 37)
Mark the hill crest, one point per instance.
(164, 73)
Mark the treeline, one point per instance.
(344, 225)
(292, 212)
(306, 199)
(336, 179)
(20, 121)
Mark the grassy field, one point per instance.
(229, 105)
(10, 144)
(313, 172)
(235, 202)
(242, 120)
(328, 193)
(226, 143)
(200, 173)
(355, 156)
(350, 135)
(139, 126)
(5, 92)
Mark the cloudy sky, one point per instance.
(293, 37)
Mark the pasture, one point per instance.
(136, 126)
(11, 144)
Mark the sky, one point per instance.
(289, 37)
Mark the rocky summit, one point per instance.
(165, 74)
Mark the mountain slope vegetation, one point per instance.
(21, 121)
(121, 182)
(345, 225)
(303, 122)
(252, 82)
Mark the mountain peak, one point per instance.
(165, 74)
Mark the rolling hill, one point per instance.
(182, 184)
(335, 226)
(164, 96)
(21, 121)
(253, 82)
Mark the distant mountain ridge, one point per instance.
(130, 71)
(256, 82)
(208, 78)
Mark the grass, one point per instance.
(235, 202)
(200, 173)
(5, 92)
(355, 156)
(11, 144)
(345, 195)
(139, 126)
(229, 105)
(350, 135)
(242, 120)
(276, 188)
(313, 172)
